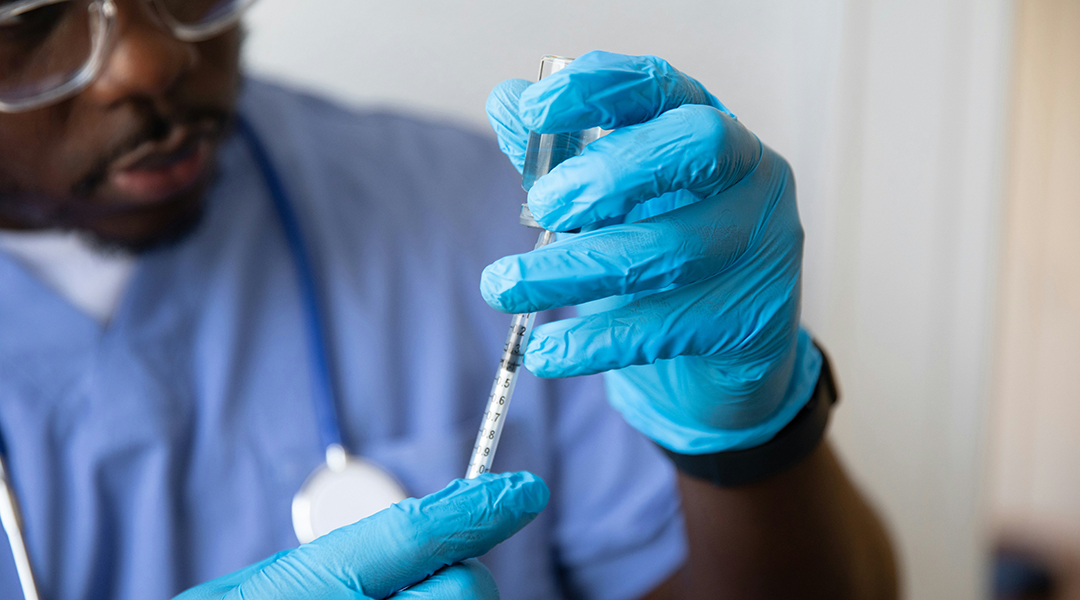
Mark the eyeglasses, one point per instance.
(51, 50)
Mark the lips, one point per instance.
(159, 170)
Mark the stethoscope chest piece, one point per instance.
(340, 492)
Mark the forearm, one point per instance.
(805, 533)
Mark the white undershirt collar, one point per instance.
(90, 278)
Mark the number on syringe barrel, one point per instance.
(517, 348)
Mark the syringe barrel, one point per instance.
(544, 153)
(502, 391)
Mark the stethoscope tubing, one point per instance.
(11, 521)
(317, 327)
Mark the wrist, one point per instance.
(657, 405)
(790, 446)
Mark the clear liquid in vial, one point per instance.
(546, 151)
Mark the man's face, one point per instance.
(129, 158)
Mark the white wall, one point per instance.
(891, 112)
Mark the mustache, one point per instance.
(155, 129)
(32, 209)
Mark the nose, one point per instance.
(146, 60)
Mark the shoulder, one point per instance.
(335, 134)
(395, 171)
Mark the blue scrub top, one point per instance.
(163, 450)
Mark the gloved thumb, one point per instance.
(405, 543)
(502, 112)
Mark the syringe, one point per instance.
(544, 153)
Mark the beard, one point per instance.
(119, 226)
(161, 226)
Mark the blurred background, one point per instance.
(937, 149)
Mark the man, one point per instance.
(156, 432)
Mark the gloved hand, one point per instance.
(424, 543)
(689, 267)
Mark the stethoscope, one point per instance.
(340, 491)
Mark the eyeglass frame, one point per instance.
(103, 28)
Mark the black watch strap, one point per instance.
(792, 444)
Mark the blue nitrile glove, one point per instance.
(425, 543)
(690, 263)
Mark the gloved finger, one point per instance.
(502, 112)
(682, 246)
(694, 148)
(220, 587)
(707, 318)
(615, 261)
(469, 579)
(405, 543)
(602, 89)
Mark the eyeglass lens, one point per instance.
(48, 46)
(43, 48)
(200, 12)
